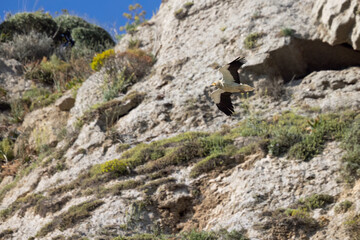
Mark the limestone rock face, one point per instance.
(11, 79)
(42, 127)
(287, 181)
(330, 90)
(308, 67)
(89, 93)
(339, 21)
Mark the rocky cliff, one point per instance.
(279, 168)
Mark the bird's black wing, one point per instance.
(234, 67)
(225, 104)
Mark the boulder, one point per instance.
(65, 103)
(338, 21)
(40, 128)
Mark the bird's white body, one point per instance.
(230, 83)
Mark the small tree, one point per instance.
(135, 17)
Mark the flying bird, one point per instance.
(230, 83)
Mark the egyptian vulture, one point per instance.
(230, 83)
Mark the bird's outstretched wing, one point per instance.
(229, 71)
(223, 101)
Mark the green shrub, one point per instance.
(286, 32)
(94, 38)
(209, 163)
(251, 40)
(188, 5)
(213, 144)
(327, 127)
(115, 166)
(85, 35)
(316, 201)
(6, 150)
(307, 148)
(69, 22)
(113, 86)
(132, 158)
(351, 143)
(180, 13)
(251, 127)
(27, 47)
(25, 23)
(283, 138)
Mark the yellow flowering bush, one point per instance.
(100, 59)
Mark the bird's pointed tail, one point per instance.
(246, 88)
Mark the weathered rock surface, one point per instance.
(339, 21)
(89, 94)
(42, 128)
(301, 71)
(286, 182)
(330, 90)
(11, 79)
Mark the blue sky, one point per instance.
(105, 13)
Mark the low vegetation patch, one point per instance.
(125, 185)
(250, 41)
(21, 204)
(351, 143)
(6, 150)
(178, 150)
(352, 225)
(180, 13)
(191, 235)
(39, 97)
(301, 137)
(286, 32)
(151, 187)
(27, 47)
(343, 207)
(224, 158)
(316, 201)
(6, 234)
(61, 75)
(74, 215)
(290, 223)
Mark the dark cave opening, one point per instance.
(302, 57)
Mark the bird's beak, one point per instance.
(213, 84)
